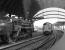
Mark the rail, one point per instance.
(27, 44)
(21, 42)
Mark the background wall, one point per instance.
(51, 3)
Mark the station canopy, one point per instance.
(51, 14)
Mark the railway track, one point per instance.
(28, 44)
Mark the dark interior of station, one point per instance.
(21, 8)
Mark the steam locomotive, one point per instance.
(15, 31)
